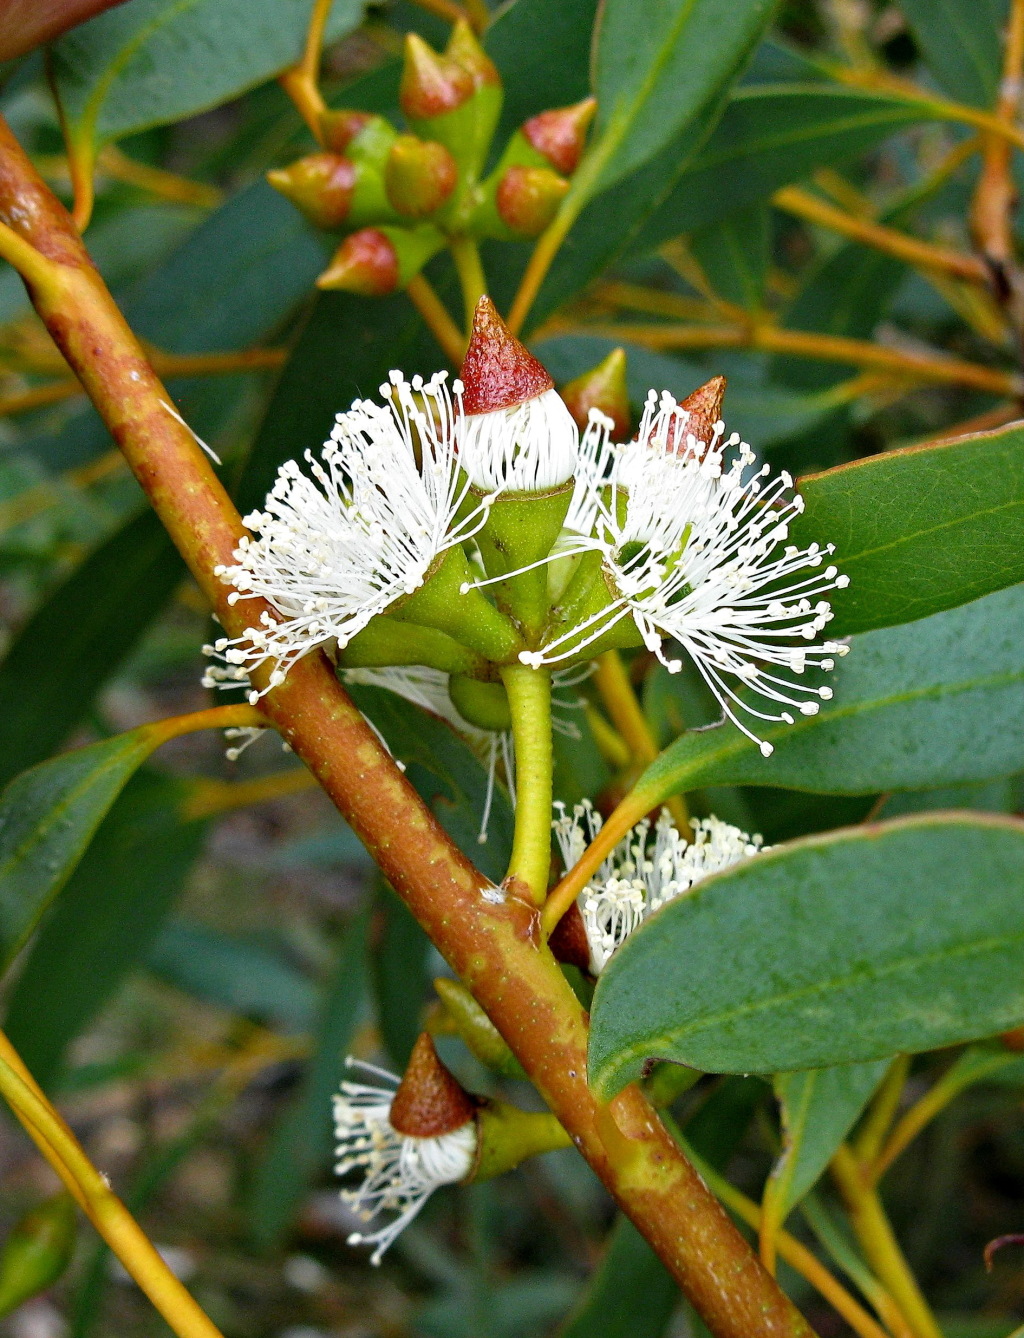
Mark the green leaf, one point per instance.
(849, 946)
(149, 62)
(960, 41)
(819, 1108)
(630, 1294)
(400, 977)
(768, 137)
(104, 921)
(734, 255)
(658, 64)
(79, 636)
(937, 702)
(301, 1141)
(246, 977)
(921, 529)
(48, 816)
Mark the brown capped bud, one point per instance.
(431, 84)
(420, 176)
(464, 48)
(339, 128)
(498, 372)
(704, 405)
(604, 388)
(560, 134)
(322, 185)
(429, 1102)
(365, 263)
(527, 199)
(568, 940)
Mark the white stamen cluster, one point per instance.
(337, 548)
(696, 551)
(400, 1172)
(530, 447)
(644, 871)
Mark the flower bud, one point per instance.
(484, 705)
(333, 191)
(455, 98)
(429, 1101)
(558, 135)
(527, 199)
(568, 941)
(603, 388)
(37, 1251)
(358, 134)
(377, 261)
(464, 48)
(431, 84)
(507, 1135)
(704, 405)
(420, 176)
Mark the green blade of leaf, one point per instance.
(734, 255)
(109, 912)
(300, 1143)
(819, 1108)
(401, 980)
(658, 64)
(149, 62)
(48, 816)
(960, 41)
(937, 702)
(922, 529)
(839, 948)
(630, 1294)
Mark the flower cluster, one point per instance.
(644, 871)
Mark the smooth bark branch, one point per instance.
(492, 942)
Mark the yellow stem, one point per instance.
(301, 81)
(436, 318)
(625, 816)
(105, 1210)
(610, 743)
(995, 195)
(211, 797)
(881, 1249)
(636, 297)
(529, 699)
(466, 255)
(883, 1111)
(890, 241)
(33, 266)
(621, 703)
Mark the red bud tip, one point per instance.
(561, 133)
(431, 84)
(604, 388)
(321, 184)
(704, 405)
(365, 263)
(568, 940)
(465, 50)
(429, 1102)
(420, 175)
(340, 128)
(527, 198)
(498, 372)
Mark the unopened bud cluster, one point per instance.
(400, 197)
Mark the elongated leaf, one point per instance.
(938, 702)
(768, 137)
(48, 815)
(79, 636)
(734, 255)
(630, 1295)
(882, 939)
(819, 1108)
(658, 63)
(248, 978)
(149, 62)
(921, 529)
(400, 976)
(301, 1141)
(108, 915)
(960, 41)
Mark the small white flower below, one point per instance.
(399, 1172)
(642, 874)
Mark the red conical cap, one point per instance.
(429, 1102)
(560, 134)
(568, 940)
(704, 405)
(365, 263)
(498, 372)
(431, 84)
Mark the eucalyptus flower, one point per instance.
(645, 870)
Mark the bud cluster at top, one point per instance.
(400, 196)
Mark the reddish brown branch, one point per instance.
(495, 947)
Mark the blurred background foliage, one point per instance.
(225, 941)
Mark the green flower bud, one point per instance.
(420, 176)
(482, 704)
(455, 98)
(527, 199)
(377, 261)
(37, 1251)
(333, 191)
(448, 601)
(359, 135)
(603, 387)
(383, 643)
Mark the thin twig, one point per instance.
(301, 82)
(424, 298)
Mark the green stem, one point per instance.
(529, 699)
(466, 255)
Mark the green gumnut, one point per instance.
(385, 642)
(37, 1251)
(587, 593)
(482, 704)
(521, 529)
(467, 130)
(469, 618)
(370, 203)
